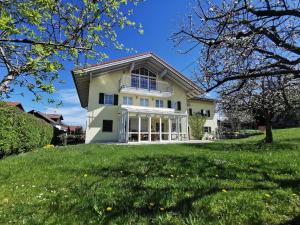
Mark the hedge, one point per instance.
(21, 132)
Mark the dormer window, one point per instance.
(143, 78)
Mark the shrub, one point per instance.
(196, 123)
(21, 132)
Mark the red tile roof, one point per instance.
(54, 116)
(72, 127)
(15, 104)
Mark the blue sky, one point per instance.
(159, 19)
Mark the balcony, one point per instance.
(147, 86)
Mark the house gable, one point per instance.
(82, 76)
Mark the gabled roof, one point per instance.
(15, 104)
(42, 116)
(72, 127)
(81, 76)
(55, 116)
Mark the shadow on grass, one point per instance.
(253, 146)
(146, 186)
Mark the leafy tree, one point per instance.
(37, 36)
(242, 39)
(263, 99)
(196, 123)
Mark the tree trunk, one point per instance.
(269, 135)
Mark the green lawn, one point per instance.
(227, 182)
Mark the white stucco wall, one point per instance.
(198, 105)
(109, 84)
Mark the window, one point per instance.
(207, 129)
(208, 113)
(134, 81)
(157, 127)
(127, 100)
(174, 105)
(152, 84)
(144, 82)
(144, 102)
(159, 103)
(205, 112)
(108, 99)
(107, 126)
(173, 127)
(143, 78)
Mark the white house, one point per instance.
(140, 98)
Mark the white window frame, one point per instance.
(143, 101)
(208, 129)
(147, 76)
(159, 103)
(107, 100)
(127, 100)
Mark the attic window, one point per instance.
(143, 71)
(143, 78)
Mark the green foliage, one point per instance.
(39, 35)
(196, 123)
(21, 132)
(204, 184)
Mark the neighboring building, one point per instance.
(205, 107)
(56, 121)
(73, 130)
(53, 119)
(138, 98)
(16, 104)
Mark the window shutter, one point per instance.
(169, 104)
(202, 112)
(101, 98)
(178, 105)
(190, 112)
(208, 113)
(116, 98)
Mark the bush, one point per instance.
(21, 132)
(196, 123)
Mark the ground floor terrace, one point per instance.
(137, 124)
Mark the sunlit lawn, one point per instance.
(228, 182)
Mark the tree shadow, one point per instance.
(144, 185)
(250, 146)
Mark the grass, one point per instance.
(227, 182)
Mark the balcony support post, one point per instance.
(149, 128)
(139, 128)
(160, 135)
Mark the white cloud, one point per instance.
(69, 96)
(71, 110)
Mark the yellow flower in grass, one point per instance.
(109, 209)
(224, 190)
(267, 195)
(85, 175)
(5, 201)
(49, 146)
